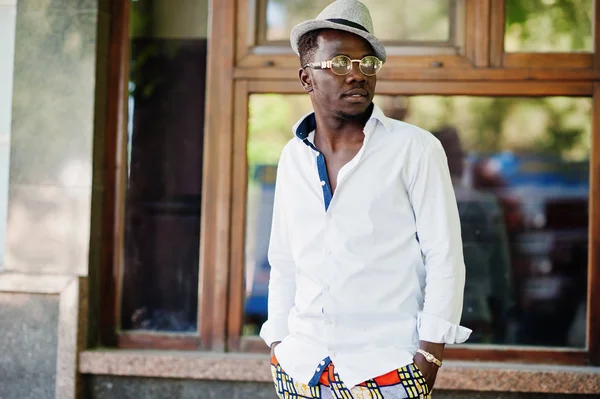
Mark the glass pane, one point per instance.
(166, 123)
(521, 172)
(549, 26)
(393, 20)
(269, 129)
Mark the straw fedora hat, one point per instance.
(347, 15)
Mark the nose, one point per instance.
(355, 74)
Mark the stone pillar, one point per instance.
(50, 184)
(60, 50)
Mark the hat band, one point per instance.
(348, 23)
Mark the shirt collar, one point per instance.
(308, 123)
(378, 115)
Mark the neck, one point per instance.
(337, 130)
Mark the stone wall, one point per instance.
(51, 151)
(28, 345)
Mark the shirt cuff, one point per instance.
(438, 330)
(274, 331)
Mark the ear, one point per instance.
(305, 79)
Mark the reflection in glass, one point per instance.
(520, 167)
(269, 129)
(549, 26)
(393, 20)
(165, 127)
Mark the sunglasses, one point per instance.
(342, 65)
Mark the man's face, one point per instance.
(348, 96)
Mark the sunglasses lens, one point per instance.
(370, 65)
(341, 65)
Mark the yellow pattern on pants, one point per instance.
(406, 382)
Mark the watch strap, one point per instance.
(430, 358)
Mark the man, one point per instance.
(367, 270)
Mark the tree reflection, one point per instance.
(549, 25)
(530, 25)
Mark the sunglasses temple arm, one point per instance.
(314, 65)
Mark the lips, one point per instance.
(356, 92)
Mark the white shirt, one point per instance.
(361, 276)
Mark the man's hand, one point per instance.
(429, 370)
(273, 345)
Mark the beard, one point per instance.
(356, 117)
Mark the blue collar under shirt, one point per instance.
(304, 129)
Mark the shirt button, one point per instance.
(323, 363)
(322, 182)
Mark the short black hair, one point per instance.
(308, 45)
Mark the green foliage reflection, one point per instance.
(549, 25)
(557, 126)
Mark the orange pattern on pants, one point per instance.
(405, 382)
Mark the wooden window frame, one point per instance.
(574, 60)
(482, 58)
(257, 23)
(572, 356)
(279, 55)
(214, 241)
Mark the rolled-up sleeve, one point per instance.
(282, 284)
(438, 231)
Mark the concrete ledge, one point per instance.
(34, 283)
(463, 376)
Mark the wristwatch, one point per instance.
(430, 358)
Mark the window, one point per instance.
(521, 172)
(394, 22)
(269, 129)
(543, 33)
(549, 26)
(519, 116)
(160, 271)
(416, 33)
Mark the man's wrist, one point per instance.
(436, 349)
(430, 358)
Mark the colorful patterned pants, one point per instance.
(406, 382)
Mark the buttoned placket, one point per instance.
(343, 173)
(328, 198)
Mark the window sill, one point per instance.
(454, 375)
